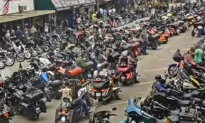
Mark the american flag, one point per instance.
(6, 7)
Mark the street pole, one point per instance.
(98, 4)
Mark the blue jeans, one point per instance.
(85, 107)
(143, 48)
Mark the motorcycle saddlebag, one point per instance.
(75, 72)
(187, 115)
(33, 96)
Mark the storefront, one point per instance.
(106, 3)
(21, 13)
(66, 10)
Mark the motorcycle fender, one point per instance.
(50, 72)
(195, 82)
(42, 106)
(187, 85)
(172, 65)
(129, 75)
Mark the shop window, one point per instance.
(86, 10)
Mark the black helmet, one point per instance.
(157, 77)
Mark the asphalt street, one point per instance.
(155, 63)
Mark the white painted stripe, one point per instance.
(165, 59)
(189, 43)
(152, 70)
(184, 49)
(145, 83)
(119, 103)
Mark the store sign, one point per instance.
(15, 6)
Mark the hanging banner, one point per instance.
(15, 6)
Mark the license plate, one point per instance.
(98, 94)
(123, 78)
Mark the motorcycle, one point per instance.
(126, 74)
(135, 114)
(5, 114)
(29, 104)
(101, 116)
(73, 111)
(5, 59)
(103, 90)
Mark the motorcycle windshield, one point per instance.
(133, 107)
(44, 77)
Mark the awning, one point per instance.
(87, 2)
(66, 4)
(23, 15)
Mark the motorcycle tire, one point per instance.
(46, 48)
(27, 55)
(34, 53)
(2, 65)
(170, 70)
(35, 116)
(10, 62)
(58, 44)
(57, 96)
(154, 46)
(4, 120)
(20, 57)
(52, 47)
(123, 82)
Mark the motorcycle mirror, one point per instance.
(139, 98)
(114, 108)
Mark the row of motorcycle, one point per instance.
(27, 91)
(181, 101)
(27, 47)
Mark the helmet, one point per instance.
(99, 67)
(125, 53)
(157, 77)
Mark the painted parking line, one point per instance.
(184, 49)
(145, 83)
(165, 59)
(152, 70)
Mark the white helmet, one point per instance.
(125, 53)
(99, 66)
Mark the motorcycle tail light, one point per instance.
(63, 112)
(6, 115)
(83, 80)
(94, 90)
(104, 90)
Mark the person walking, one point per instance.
(46, 28)
(19, 33)
(32, 30)
(198, 55)
(7, 35)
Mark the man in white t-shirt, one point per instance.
(110, 11)
(113, 11)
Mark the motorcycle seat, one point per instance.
(203, 103)
(187, 95)
(115, 55)
(123, 69)
(63, 53)
(101, 85)
(75, 102)
(55, 82)
(184, 102)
